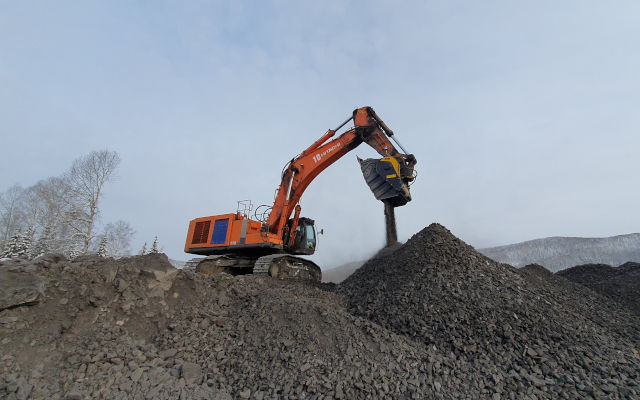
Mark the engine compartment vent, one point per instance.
(201, 232)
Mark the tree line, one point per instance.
(61, 214)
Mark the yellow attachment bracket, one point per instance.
(394, 163)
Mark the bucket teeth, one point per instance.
(384, 182)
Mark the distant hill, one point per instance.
(558, 253)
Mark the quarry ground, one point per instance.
(431, 319)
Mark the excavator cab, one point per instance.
(305, 239)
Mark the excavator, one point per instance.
(268, 245)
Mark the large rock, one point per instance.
(19, 286)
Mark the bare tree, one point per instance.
(85, 181)
(56, 205)
(52, 193)
(119, 235)
(33, 208)
(11, 212)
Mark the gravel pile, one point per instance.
(509, 331)
(430, 319)
(619, 283)
(86, 329)
(139, 329)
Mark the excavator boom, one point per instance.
(301, 170)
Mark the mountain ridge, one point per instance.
(560, 252)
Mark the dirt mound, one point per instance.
(139, 328)
(619, 283)
(536, 270)
(89, 322)
(507, 330)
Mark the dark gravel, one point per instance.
(430, 319)
(508, 331)
(139, 329)
(622, 283)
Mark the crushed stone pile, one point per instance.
(506, 331)
(619, 283)
(137, 328)
(582, 300)
(430, 319)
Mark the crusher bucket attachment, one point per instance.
(384, 180)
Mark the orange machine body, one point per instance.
(225, 232)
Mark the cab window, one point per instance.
(311, 236)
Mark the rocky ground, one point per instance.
(622, 283)
(432, 319)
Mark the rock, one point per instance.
(192, 373)
(121, 285)
(74, 394)
(19, 287)
(168, 353)
(24, 389)
(137, 374)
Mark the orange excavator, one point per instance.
(236, 244)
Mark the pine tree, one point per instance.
(17, 247)
(102, 247)
(154, 246)
(11, 247)
(26, 243)
(43, 245)
(74, 252)
(71, 250)
(144, 249)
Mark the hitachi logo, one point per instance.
(319, 156)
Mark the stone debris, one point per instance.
(504, 330)
(429, 319)
(622, 283)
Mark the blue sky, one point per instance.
(523, 115)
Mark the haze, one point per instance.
(523, 116)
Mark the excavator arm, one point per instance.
(301, 170)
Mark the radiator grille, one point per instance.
(201, 232)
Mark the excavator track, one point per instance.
(284, 266)
(225, 263)
(281, 266)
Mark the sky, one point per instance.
(523, 115)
